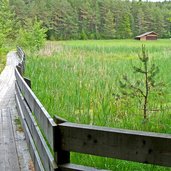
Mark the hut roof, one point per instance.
(147, 33)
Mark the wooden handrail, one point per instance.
(144, 147)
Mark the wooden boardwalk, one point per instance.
(13, 150)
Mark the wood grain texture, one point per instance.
(74, 167)
(11, 155)
(40, 143)
(43, 118)
(32, 148)
(123, 144)
(8, 153)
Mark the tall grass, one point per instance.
(77, 84)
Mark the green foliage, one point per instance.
(77, 84)
(124, 26)
(80, 79)
(143, 86)
(2, 60)
(109, 25)
(8, 30)
(32, 36)
(87, 19)
(2, 39)
(8, 23)
(83, 35)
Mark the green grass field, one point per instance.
(78, 80)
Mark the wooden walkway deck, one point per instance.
(14, 155)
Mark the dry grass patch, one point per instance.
(50, 49)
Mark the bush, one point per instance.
(8, 24)
(32, 37)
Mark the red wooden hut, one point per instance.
(147, 36)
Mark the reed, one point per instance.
(78, 80)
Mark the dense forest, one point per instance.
(96, 19)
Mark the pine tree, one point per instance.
(74, 19)
(109, 25)
(143, 87)
(148, 17)
(32, 36)
(159, 24)
(64, 20)
(7, 23)
(124, 26)
(140, 22)
(168, 23)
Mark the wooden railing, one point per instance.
(50, 141)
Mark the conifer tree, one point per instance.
(124, 26)
(109, 26)
(7, 23)
(32, 35)
(89, 19)
(141, 88)
(140, 25)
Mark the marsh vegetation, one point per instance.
(77, 83)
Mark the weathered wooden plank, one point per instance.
(128, 145)
(32, 149)
(8, 153)
(20, 53)
(19, 69)
(43, 118)
(59, 120)
(43, 150)
(61, 156)
(74, 167)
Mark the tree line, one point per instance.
(95, 19)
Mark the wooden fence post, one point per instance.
(61, 156)
(28, 81)
(19, 69)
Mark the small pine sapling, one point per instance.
(143, 87)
